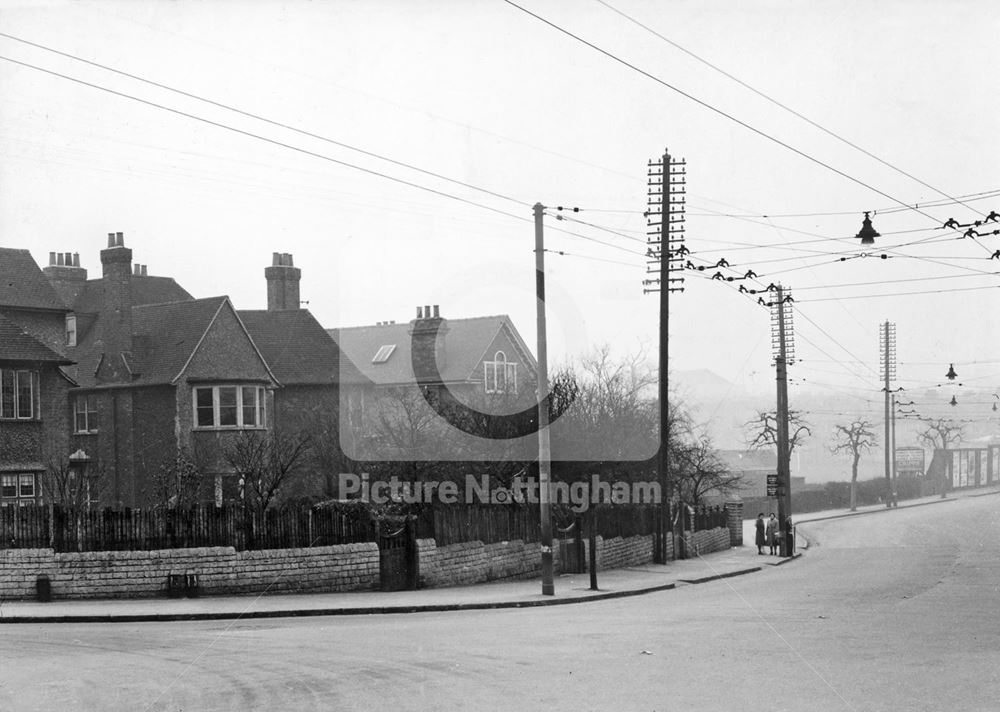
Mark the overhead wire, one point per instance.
(261, 118)
(301, 150)
(777, 103)
(720, 112)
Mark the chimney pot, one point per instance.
(120, 239)
(69, 259)
(437, 314)
(427, 311)
(276, 259)
(288, 259)
(52, 258)
(144, 270)
(59, 259)
(111, 239)
(76, 259)
(135, 269)
(420, 313)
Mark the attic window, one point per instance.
(383, 354)
(500, 375)
(70, 330)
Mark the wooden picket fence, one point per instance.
(65, 529)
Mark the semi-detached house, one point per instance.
(140, 370)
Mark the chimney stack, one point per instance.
(65, 275)
(429, 330)
(282, 282)
(116, 310)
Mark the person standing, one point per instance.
(760, 538)
(772, 532)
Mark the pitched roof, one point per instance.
(164, 337)
(298, 350)
(17, 345)
(22, 283)
(145, 290)
(465, 346)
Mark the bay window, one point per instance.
(229, 407)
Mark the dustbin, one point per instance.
(176, 585)
(43, 589)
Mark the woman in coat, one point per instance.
(772, 533)
(760, 537)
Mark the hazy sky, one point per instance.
(483, 93)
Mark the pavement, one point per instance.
(569, 588)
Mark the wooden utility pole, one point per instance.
(544, 449)
(888, 344)
(665, 217)
(779, 329)
(895, 476)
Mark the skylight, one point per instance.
(383, 354)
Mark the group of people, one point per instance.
(768, 534)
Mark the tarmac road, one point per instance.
(895, 610)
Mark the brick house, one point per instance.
(484, 353)
(33, 413)
(34, 390)
(478, 361)
(159, 372)
(313, 374)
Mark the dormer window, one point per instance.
(500, 375)
(70, 330)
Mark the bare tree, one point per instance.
(613, 415)
(177, 483)
(938, 434)
(854, 439)
(402, 433)
(762, 430)
(69, 485)
(75, 487)
(700, 471)
(265, 462)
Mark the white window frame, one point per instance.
(71, 330)
(18, 375)
(89, 413)
(493, 369)
(259, 407)
(17, 480)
